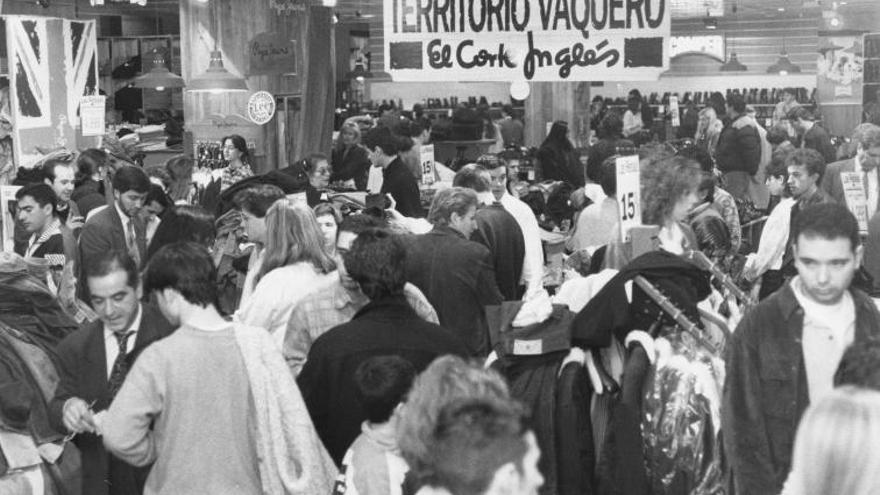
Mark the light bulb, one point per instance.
(783, 73)
(360, 78)
(160, 88)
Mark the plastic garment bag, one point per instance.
(681, 419)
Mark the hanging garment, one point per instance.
(681, 418)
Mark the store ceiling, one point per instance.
(785, 9)
(745, 9)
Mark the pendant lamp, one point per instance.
(359, 73)
(159, 76)
(783, 66)
(216, 79)
(733, 64)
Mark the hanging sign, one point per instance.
(426, 158)
(261, 107)
(271, 53)
(92, 115)
(856, 200)
(628, 194)
(532, 40)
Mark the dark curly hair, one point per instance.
(665, 180)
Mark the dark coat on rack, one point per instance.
(83, 373)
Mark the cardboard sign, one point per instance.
(271, 53)
(856, 199)
(531, 40)
(426, 158)
(7, 217)
(629, 200)
(92, 115)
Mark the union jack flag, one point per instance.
(30, 70)
(80, 63)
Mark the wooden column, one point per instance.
(552, 101)
(239, 21)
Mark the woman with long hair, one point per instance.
(669, 187)
(835, 450)
(708, 130)
(237, 156)
(557, 159)
(350, 160)
(296, 263)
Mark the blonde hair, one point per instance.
(292, 236)
(836, 446)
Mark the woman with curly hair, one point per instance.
(668, 192)
(296, 262)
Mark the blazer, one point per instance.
(831, 183)
(82, 372)
(458, 278)
(353, 163)
(399, 182)
(101, 233)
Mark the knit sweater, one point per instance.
(192, 387)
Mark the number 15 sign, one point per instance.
(628, 195)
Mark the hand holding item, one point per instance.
(77, 416)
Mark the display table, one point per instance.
(447, 151)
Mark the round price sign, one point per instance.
(261, 107)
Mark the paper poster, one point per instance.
(856, 200)
(92, 113)
(628, 194)
(673, 110)
(526, 40)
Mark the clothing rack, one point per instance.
(700, 259)
(677, 314)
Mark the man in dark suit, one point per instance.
(867, 159)
(496, 229)
(813, 136)
(93, 362)
(117, 227)
(387, 325)
(397, 180)
(455, 274)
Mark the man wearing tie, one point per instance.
(93, 362)
(117, 227)
(867, 159)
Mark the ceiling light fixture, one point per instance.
(733, 64)
(216, 79)
(159, 76)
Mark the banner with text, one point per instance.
(535, 40)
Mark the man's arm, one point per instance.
(127, 426)
(742, 418)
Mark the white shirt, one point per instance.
(151, 227)
(255, 263)
(111, 345)
(632, 123)
(828, 331)
(533, 261)
(774, 238)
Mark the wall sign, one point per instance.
(261, 107)
(629, 199)
(540, 40)
(712, 45)
(92, 115)
(271, 53)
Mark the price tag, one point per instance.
(856, 200)
(673, 110)
(629, 202)
(426, 158)
(92, 114)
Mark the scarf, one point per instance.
(293, 460)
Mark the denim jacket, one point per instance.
(765, 390)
